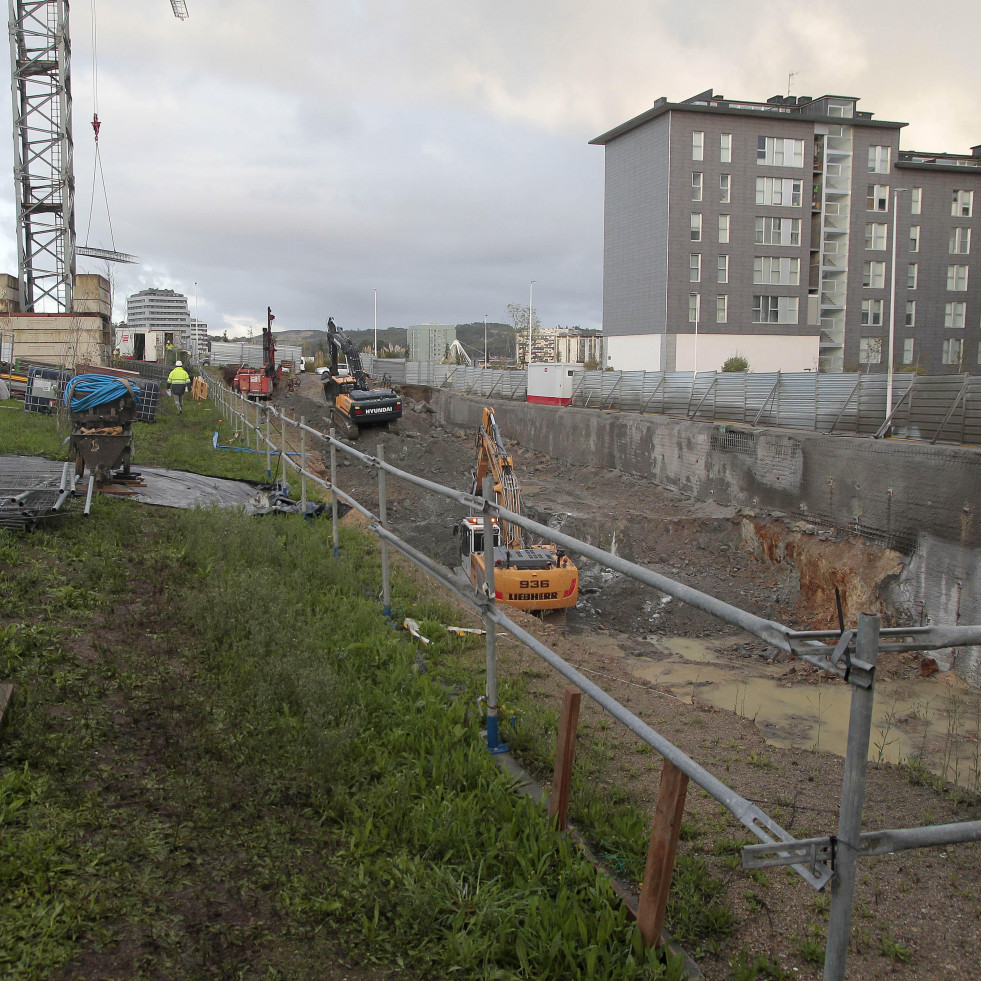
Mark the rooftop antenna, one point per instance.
(790, 81)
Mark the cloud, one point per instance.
(303, 155)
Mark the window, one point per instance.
(871, 313)
(960, 241)
(957, 278)
(962, 204)
(723, 229)
(725, 148)
(694, 307)
(870, 350)
(954, 315)
(877, 197)
(875, 236)
(910, 314)
(697, 145)
(779, 231)
(775, 309)
(953, 350)
(916, 200)
(725, 188)
(779, 191)
(776, 270)
(912, 275)
(722, 309)
(874, 275)
(914, 238)
(879, 159)
(723, 269)
(907, 350)
(696, 228)
(776, 151)
(695, 268)
(696, 187)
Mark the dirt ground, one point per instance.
(917, 913)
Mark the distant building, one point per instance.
(560, 344)
(195, 337)
(156, 321)
(430, 342)
(768, 230)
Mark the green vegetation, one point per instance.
(736, 363)
(221, 760)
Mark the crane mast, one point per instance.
(44, 175)
(44, 179)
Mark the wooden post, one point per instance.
(660, 855)
(565, 752)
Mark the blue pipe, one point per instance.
(242, 449)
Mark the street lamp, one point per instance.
(485, 340)
(376, 324)
(892, 301)
(194, 328)
(531, 293)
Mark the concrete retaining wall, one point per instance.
(921, 500)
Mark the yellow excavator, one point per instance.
(527, 577)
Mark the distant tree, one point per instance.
(224, 335)
(736, 363)
(518, 317)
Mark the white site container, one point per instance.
(550, 383)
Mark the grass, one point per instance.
(221, 760)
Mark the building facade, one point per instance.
(561, 345)
(159, 310)
(792, 232)
(430, 342)
(195, 338)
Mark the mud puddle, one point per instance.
(935, 719)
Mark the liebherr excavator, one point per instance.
(527, 577)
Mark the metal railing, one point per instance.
(850, 654)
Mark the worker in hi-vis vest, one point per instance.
(177, 381)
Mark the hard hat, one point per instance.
(180, 364)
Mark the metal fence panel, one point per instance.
(944, 409)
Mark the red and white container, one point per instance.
(550, 383)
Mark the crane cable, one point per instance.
(97, 160)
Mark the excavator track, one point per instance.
(348, 429)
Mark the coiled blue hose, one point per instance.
(87, 391)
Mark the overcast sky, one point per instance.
(301, 155)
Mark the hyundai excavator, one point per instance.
(353, 403)
(526, 576)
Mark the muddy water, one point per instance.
(935, 719)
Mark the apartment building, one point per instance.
(793, 232)
(155, 309)
(430, 342)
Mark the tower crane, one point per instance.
(44, 176)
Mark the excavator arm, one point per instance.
(493, 459)
(340, 343)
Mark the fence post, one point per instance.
(333, 494)
(282, 444)
(660, 855)
(847, 844)
(383, 516)
(565, 752)
(303, 466)
(494, 745)
(265, 412)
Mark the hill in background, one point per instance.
(500, 339)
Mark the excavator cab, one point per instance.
(472, 535)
